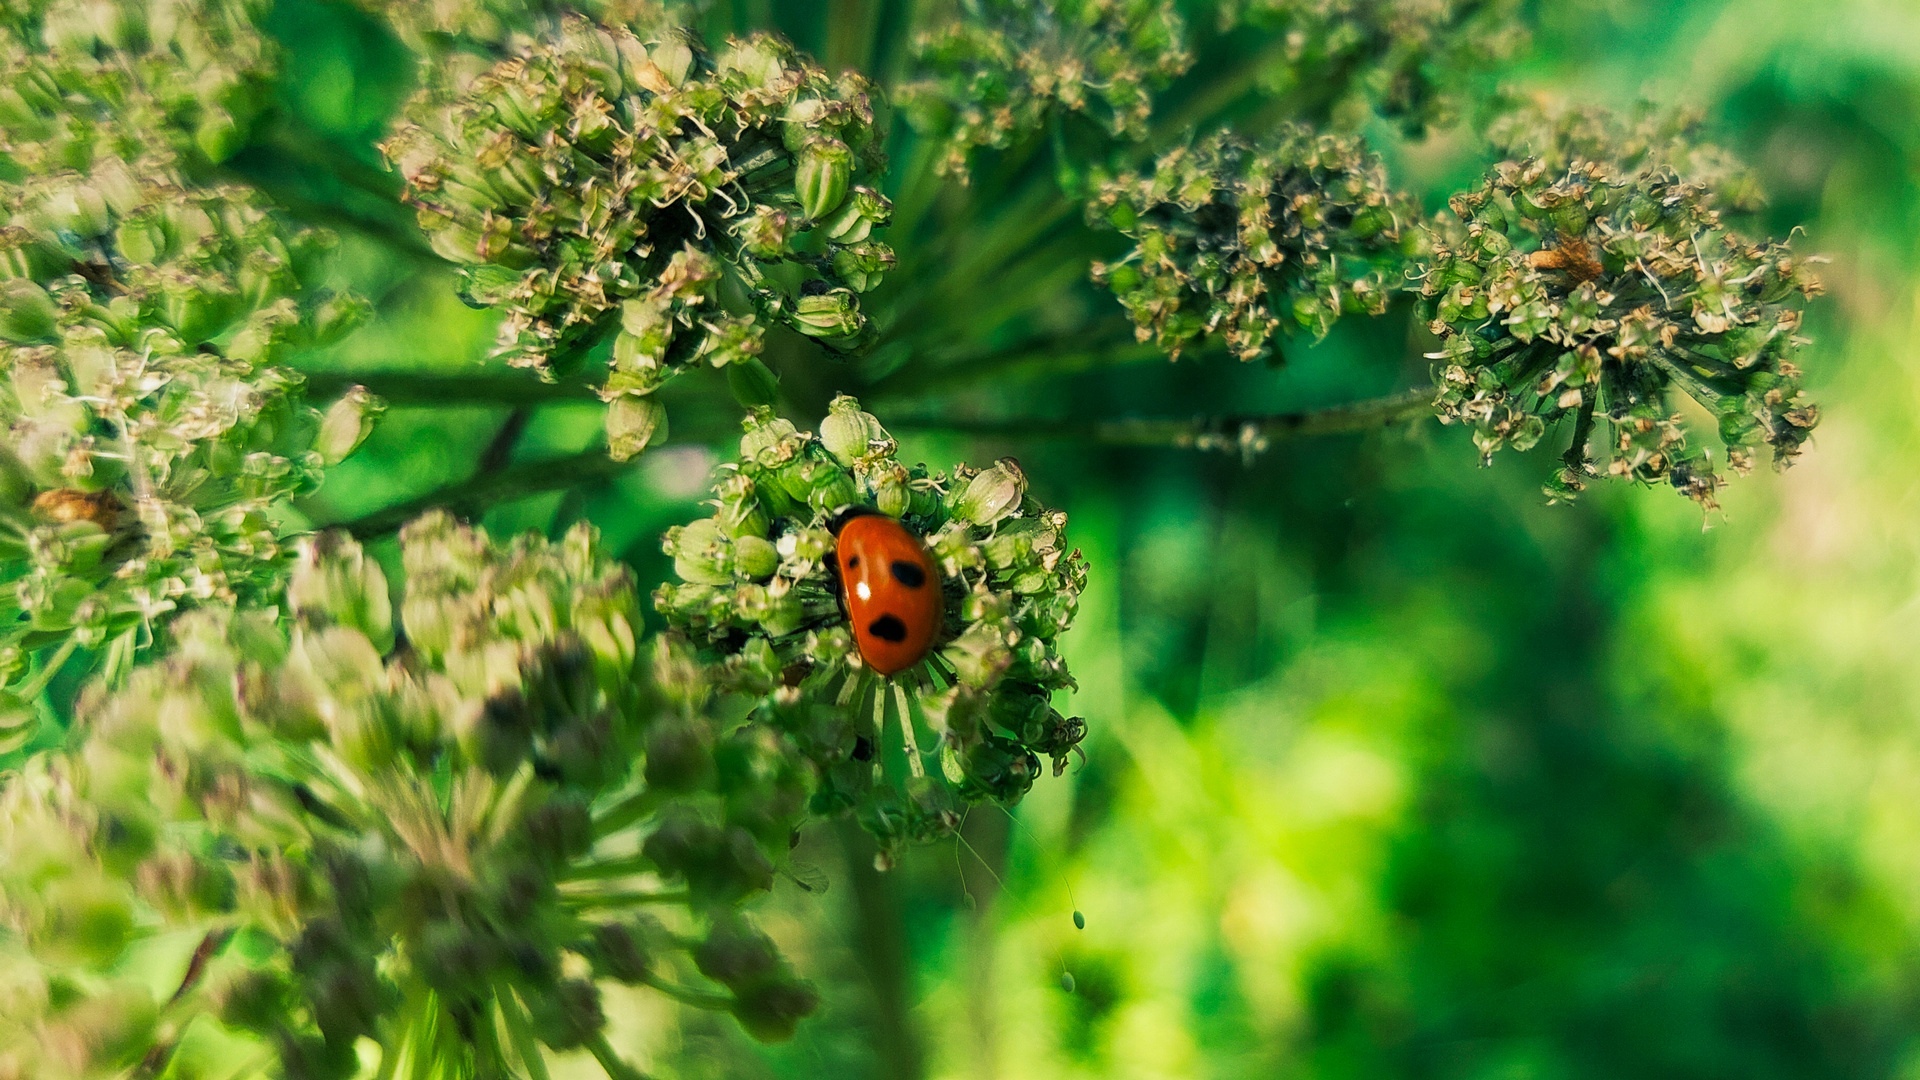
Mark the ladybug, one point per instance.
(890, 587)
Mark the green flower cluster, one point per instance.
(144, 439)
(612, 178)
(143, 80)
(759, 595)
(1597, 291)
(1648, 137)
(1234, 242)
(1407, 59)
(994, 73)
(432, 832)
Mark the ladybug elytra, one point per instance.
(891, 590)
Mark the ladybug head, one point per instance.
(847, 513)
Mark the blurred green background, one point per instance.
(1395, 771)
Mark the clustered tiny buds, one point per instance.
(757, 593)
(147, 438)
(1558, 135)
(1236, 243)
(1597, 290)
(176, 81)
(1407, 59)
(612, 178)
(995, 73)
(426, 831)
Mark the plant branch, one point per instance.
(1201, 432)
(481, 387)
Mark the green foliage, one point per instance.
(430, 845)
(1409, 59)
(1598, 291)
(1385, 770)
(696, 199)
(1237, 244)
(993, 74)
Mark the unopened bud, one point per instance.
(824, 169)
(634, 423)
(347, 424)
(993, 494)
(27, 313)
(847, 432)
(832, 314)
(755, 557)
(752, 382)
(701, 553)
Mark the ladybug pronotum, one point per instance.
(891, 590)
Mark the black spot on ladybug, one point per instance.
(908, 574)
(853, 563)
(862, 748)
(888, 628)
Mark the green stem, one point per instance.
(1217, 432)
(481, 387)
(699, 999)
(625, 812)
(520, 1034)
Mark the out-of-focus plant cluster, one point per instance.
(1596, 291)
(758, 593)
(993, 73)
(1411, 60)
(621, 177)
(1236, 243)
(149, 82)
(147, 440)
(434, 830)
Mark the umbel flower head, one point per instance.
(758, 594)
(1235, 243)
(1596, 292)
(1650, 136)
(146, 445)
(609, 177)
(994, 72)
(434, 831)
(172, 80)
(1408, 59)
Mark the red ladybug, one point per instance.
(891, 590)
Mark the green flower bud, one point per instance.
(993, 494)
(619, 952)
(832, 314)
(770, 1012)
(567, 1016)
(634, 423)
(823, 169)
(752, 382)
(864, 211)
(848, 432)
(336, 584)
(755, 557)
(863, 265)
(736, 955)
(701, 553)
(27, 313)
(347, 424)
